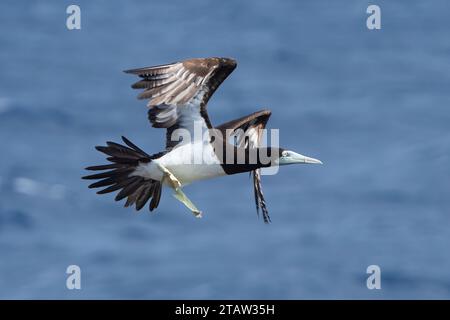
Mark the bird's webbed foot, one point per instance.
(179, 194)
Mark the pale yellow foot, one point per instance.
(188, 203)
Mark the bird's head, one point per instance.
(290, 157)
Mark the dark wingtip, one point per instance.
(119, 197)
(104, 167)
(137, 85)
(133, 71)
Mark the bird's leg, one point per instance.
(179, 194)
(167, 174)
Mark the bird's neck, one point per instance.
(238, 160)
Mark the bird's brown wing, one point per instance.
(178, 92)
(247, 132)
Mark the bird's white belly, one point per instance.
(190, 173)
(188, 163)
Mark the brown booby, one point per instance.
(195, 150)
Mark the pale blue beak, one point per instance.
(291, 157)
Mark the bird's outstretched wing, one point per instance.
(247, 132)
(178, 92)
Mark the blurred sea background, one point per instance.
(372, 105)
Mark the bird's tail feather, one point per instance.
(124, 160)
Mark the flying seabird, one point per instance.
(177, 96)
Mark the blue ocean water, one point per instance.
(372, 105)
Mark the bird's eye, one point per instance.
(285, 153)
